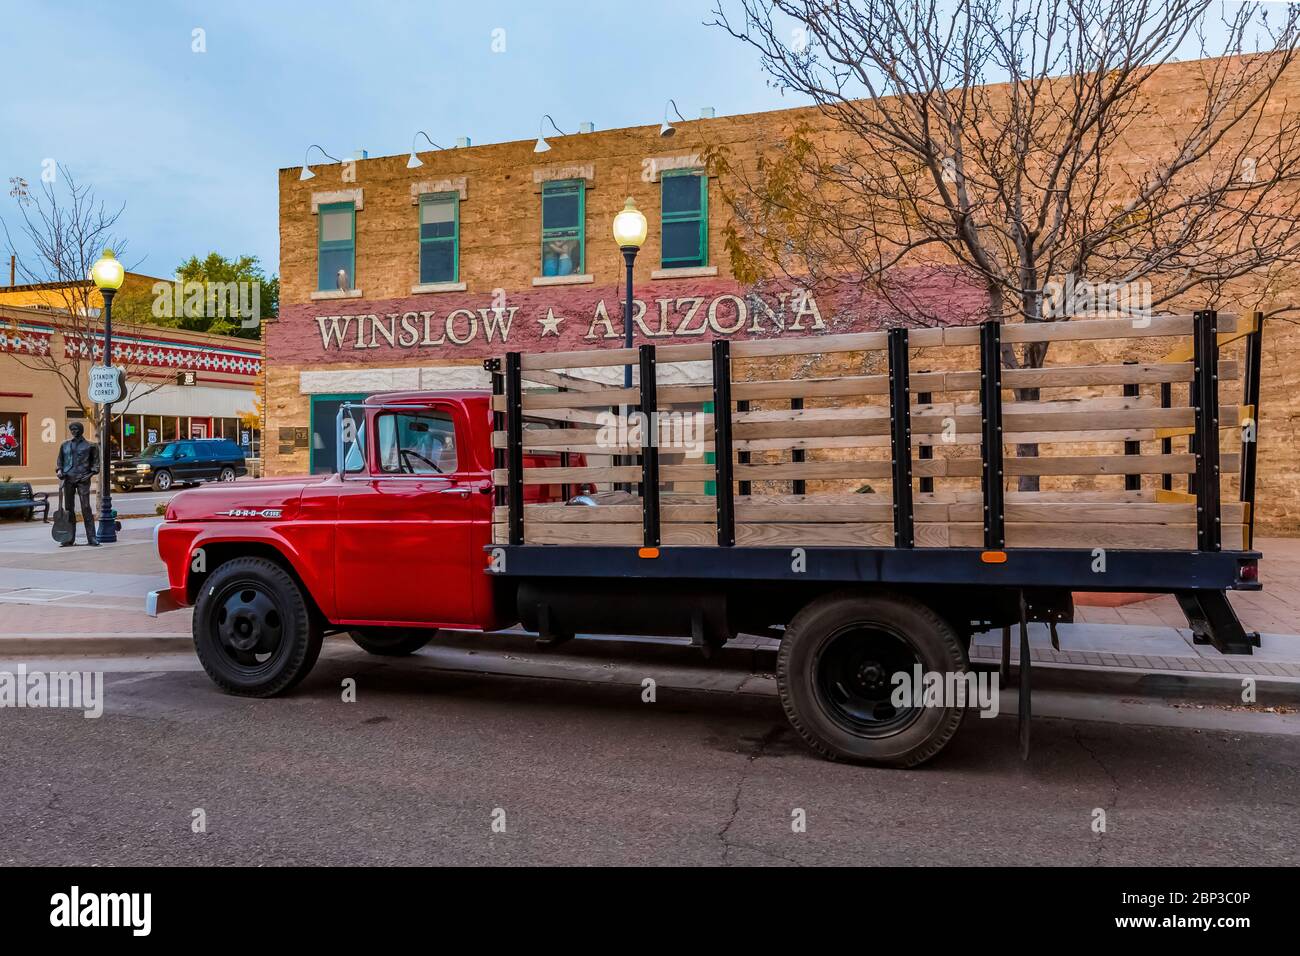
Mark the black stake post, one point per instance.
(925, 451)
(1132, 482)
(1166, 444)
(742, 457)
(900, 439)
(1250, 397)
(1205, 386)
(649, 449)
(995, 538)
(1191, 439)
(514, 448)
(722, 443)
(493, 367)
(797, 455)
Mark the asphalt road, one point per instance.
(582, 772)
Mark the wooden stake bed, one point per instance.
(1137, 450)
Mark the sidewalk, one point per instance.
(83, 600)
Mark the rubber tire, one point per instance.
(391, 641)
(125, 489)
(300, 628)
(937, 644)
(158, 475)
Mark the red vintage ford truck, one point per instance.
(477, 511)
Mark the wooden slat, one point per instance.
(1227, 336)
(1085, 330)
(1061, 535)
(1079, 376)
(1093, 512)
(573, 476)
(877, 534)
(593, 398)
(561, 380)
(563, 441)
(1076, 330)
(1042, 465)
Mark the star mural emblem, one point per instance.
(551, 324)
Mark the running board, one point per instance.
(1213, 621)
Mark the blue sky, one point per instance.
(191, 142)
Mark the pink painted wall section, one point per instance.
(569, 318)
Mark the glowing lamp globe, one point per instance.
(630, 227)
(107, 273)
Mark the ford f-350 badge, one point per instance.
(250, 513)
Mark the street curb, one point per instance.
(92, 646)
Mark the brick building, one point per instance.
(483, 249)
(35, 408)
(492, 247)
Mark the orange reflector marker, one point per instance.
(647, 552)
(993, 557)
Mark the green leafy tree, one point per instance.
(213, 294)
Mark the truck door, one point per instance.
(403, 533)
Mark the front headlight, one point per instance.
(141, 467)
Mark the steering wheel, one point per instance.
(406, 465)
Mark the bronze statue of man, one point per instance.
(78, 462)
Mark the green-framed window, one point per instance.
(563, 227)
(684, 201)
(336, 244)
(439, 237)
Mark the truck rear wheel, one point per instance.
(253, 630)
(835, 675)
(391, 641)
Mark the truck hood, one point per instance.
(265, 498)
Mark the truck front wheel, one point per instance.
(253, 630)
(837, 677)
(391, 641)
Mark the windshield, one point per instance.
(158, 451)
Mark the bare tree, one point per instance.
(1021, 145)
(64, 233)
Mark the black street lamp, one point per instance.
(107, 274)
(629, 233)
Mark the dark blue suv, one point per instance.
(186, 461)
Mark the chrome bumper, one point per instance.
(160, 602)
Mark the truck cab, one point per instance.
(389, 549)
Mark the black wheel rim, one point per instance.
(855, 681)
(249, 627)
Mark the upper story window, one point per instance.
(685, 225)
(422, 443)
(563, 215)
(337, 246)
(439, 237)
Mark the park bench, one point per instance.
(19, 495)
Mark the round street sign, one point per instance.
(107, 384)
